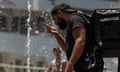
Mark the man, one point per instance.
(79, 40)
(58, 64)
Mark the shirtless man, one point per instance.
(58, 64)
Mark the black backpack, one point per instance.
(90, 27)
(106, 23)
(96, 60)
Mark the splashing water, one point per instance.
(28, 35)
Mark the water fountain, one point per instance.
(45, 39)
(28, 35)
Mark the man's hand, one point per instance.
(52, 29)
(69, 67)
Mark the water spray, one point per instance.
(28, 35)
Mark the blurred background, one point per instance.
(17, 44)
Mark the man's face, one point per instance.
(60, 22)
(57, 52)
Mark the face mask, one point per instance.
(62, 23)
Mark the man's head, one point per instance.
(59, 13)
(57, 52)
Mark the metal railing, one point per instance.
(21, 67)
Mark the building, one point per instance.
(14, 40)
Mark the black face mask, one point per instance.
(62, 23)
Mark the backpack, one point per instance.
(96, 61)
(90, 26)
(106, 23)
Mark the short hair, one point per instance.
(64, 7)
(54, 49)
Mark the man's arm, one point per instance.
(61, 41)
(60, 38)
(79, 34)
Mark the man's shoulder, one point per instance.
(53, 61)
(76, 15)
(64, 60)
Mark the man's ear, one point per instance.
(60, 13)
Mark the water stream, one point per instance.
(28, 35)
